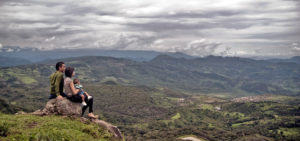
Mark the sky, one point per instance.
(246, 28)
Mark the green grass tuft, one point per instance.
(30, 127)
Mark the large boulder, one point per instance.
(60, 107)
(66, 107)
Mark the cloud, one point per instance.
(10, 50)
(295, 47)
(127, 41)
(50, 39)
(228, 27)
(226, 52)
(201, 47)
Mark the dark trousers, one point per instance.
(78, 99)
(52, 96)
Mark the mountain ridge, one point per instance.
(210, 74)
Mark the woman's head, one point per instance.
(69, 72)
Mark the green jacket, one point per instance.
(56, 83)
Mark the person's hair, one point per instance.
(75, 81)
(69, 71)
(59, 64)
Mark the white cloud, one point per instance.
(296, 48)
(201, 47)
(10, 50)
(50, 39)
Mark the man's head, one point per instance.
(60, 66)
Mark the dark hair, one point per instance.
(75, 81)
(69, 71)
(59, 64)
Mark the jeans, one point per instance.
(81, 92)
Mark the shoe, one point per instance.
(89, 97)
(83, 103)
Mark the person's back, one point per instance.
(68, 90)
(57, 81)
(56, 85)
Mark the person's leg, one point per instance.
(90, 105)
(83, 110)
(85, 93)
(88, 96)
(76, 98)
(84, 107)
(52, 96)
(63, 95)
(82, 97)
(81, 94)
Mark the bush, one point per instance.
(3, 129)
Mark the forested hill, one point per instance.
(211, 74)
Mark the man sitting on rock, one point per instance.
(57, 82)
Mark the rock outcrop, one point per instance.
(65, 107)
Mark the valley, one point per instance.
(168, 98)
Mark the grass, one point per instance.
(29, 127)
(207, 106)
(289, 131)
(141, 125)
(18, 74)
(243, 123)
(236, 125)
(27, 80)
(177, 116)
(173, 118)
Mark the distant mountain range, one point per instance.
(295, 59)
(27, 56)
(12, 61)
(211, 74)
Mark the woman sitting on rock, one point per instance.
(72, 93)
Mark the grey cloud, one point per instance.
(125, 42)
(196, 14)
(167, 26)
(291, 35)
(201, 48)
(73, 25)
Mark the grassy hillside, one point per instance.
(29, 127)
